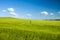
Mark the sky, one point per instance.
(30, 9)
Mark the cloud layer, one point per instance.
(11, 9)
(12, 12)
(44, 12)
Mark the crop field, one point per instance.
(23, 29)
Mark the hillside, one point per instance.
(22, 29)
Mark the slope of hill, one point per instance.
(21, 29)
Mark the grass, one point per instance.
(22, 29)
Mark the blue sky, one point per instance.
(30, 9)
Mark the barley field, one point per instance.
(23, 29)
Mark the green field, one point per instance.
(22, 29)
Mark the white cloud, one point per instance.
(11, 9)
(51, 14)
(59, 12)
(3, 10)
(44, 12)
(12, 12)
(29, 14)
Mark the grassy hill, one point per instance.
(22, 29)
